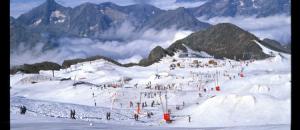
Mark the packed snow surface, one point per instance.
(252, 94)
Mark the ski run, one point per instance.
(175, 93)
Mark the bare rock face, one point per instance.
(155, 55)
(223, 40)
(35, 68)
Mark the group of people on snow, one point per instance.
(72, 114)
(23, 110)
(136, 117)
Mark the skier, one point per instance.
(152, 104)
(71, 113)
(21, 109)
(24, 109)
(189, 118)
(148, 115)
(137, 117)
(177, 107)
(131, 104)
(74, 114)
(108, 116)
(200, 95)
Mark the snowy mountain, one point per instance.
(182, 17)
(223, 40)
(259, 8)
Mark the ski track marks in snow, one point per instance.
(249, 102)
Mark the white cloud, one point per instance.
(133, 59)
(171, 4)
(138, 47)
(276, 27)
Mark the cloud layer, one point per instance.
(138, 47)
(276, 27)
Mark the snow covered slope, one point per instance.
(253, 94)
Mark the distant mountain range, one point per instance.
(50, 21)
(259, 8)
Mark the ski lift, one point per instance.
(167, 117)
(218, 88)
(217, 82)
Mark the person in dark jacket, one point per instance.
(71, 114)
(152, 104)
(74, 113)
(22, 110)
(108, 116)
(136, 117)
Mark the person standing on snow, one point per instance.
(152, 104)
(21, 109)
(137, 117)
(108, 116)
(74, 113)
(71, 113)
(130, 104)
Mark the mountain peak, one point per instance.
(50, 2)
(108, 3)
(49, 5)
(87, 5)
(222, 40)
(155, 55)
(226, 26)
